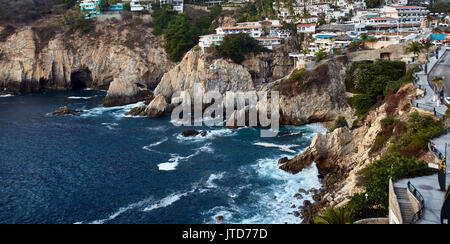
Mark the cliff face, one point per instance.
(314, 96)
(31, 60)
(319, 97)
(214, 75)
(341, 154)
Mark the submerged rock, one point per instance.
(188, 133)
(65, 110)
(137, 111)
(219, 218)
(283, 160)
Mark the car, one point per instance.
(447, 48)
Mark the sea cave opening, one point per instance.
(81, 79)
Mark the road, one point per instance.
(443, 70)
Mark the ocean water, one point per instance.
(103, 167)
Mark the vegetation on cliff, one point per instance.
(180, 31)
(370, 80)
(254, 11)
(236, 46)
(409, 143)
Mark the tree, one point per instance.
(415, 47)
(180, 36)
(236, 46)
(321, 54)
(437, 82)
(334, 216)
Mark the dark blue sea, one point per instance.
(105, 167)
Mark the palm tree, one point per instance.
(437, 81)
(334, 216)
(415, 47)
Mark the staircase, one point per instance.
(405, 204)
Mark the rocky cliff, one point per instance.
(46, 56)
(317, 95)
(339, 155)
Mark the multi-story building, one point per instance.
(139, 5)
(209, 40)
(269, 42)
(178, 5)
(382, 22)
(406, 16)
(268, 32)
(255, 31)
(92, 7)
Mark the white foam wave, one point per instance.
(169, 200)
(118, 111)
(272, 203)
(7, 95)
(110, 126)
(120, 211)
(317, 128)
(210, 135)
(85, 98)
(284, 148)
(174, 161)
(156, 143)
(213, 177)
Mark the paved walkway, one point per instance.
(428, 186)
(440, 144)
(428, 101)
(442, 69)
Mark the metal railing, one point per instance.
(432, 148)
(419, 214)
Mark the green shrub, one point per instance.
(375, 177)
(363, 103)
(371, 80)
(236, 46)
(334, 216)
(414, 141)
(340, 122)
(361, 207)
(388, 124)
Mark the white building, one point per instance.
(382, 22)
(177, 5)
(406, 15)
(253, 31)
(139, 5)
(269, 42)
(209, 40)
(306, 28)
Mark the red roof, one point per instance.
(407, 7)
(300, 25)
(382, 18)
(241, 27)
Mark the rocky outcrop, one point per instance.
(314, 96)
(189, 133)
(65, 110)
(214, 75)
(339, 155)
(34, 58)
(157, 107)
